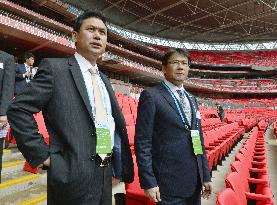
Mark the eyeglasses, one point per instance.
(175, 62)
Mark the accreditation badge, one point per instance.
(103, 142)
(1, 65)
(196, 142)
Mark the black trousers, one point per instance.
(1, 155)
(101, 194)
(98, 193)
(195, 199)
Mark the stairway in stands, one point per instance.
(19, 187)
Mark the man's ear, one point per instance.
(163, 70)
(74, 36)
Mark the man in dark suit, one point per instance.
(23, 72)
(169, 144)
(7, 72)
(88, 136)
(220, 111)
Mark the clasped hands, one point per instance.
(28, 75)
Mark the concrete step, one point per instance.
(6, 154)
(13, 166)
(32, 195)
(12, 156)
(17, 181)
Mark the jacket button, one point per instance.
(92, 157)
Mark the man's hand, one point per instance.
(206, 190)
(47, 162)
(3, 122)
(153, 193)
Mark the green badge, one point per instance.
(196, 142)
(104, 142)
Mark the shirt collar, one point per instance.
(173, 87)
(84, 63)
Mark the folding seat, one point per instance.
(41, 126)
(245, 160)
(131, 134)
(134, 194)
(227, 197)
(126, 109)
(243, 170)
(129, 119)
(238, 184)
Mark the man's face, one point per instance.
(91, 38)
(30, 61)
(176, 70)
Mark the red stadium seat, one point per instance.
(227, 197)
(238, 184)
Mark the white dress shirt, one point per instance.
(85, 65)
(28, 69)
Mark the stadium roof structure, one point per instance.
(192, 24)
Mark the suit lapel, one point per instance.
(168, 98)
(171, 102)
(80, 83)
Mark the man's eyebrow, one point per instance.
(92, 26)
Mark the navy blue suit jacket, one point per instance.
(20, 81)
(163, 145)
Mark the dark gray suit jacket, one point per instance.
(164, 148)
(58, 89)
(7, 73)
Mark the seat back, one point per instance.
(227, 197)
(236, 183)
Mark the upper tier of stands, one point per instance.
(244, 86)
(258, 58)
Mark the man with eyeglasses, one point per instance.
(172, 163)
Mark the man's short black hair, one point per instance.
(88, 14)
(28, 55)
(171, 52)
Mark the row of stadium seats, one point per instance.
(262, 58)
(275, 128)
(219, 142)
(244, 82)
(210, 123)
(250, 102)
(249, 179)
(232, 86)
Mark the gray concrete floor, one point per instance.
(271, 145)
(118, 187)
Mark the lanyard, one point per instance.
(175, 101)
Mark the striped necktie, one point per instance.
(185, 104)
(100, 113)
